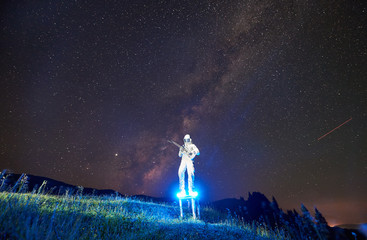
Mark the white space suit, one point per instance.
(187, 153)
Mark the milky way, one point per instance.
(92, 90)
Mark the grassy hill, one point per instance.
(42, 216)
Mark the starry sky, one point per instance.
(92, 90)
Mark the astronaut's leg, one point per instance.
(191, 175)
(181, 175)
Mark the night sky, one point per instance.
(92, 90)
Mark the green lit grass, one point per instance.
(39, 216)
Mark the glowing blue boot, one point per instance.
(193, 194)
(181, 194)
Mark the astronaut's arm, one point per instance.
(180, 153)
(194, 152)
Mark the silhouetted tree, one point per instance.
(305, 213)
(321, 225)
(307, 222)
(319, 218)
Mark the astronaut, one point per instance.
(187, 153)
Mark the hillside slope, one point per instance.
(39, 216)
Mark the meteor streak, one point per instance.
(334, 129)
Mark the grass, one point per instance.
(42, 216)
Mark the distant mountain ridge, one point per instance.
(55, 187)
